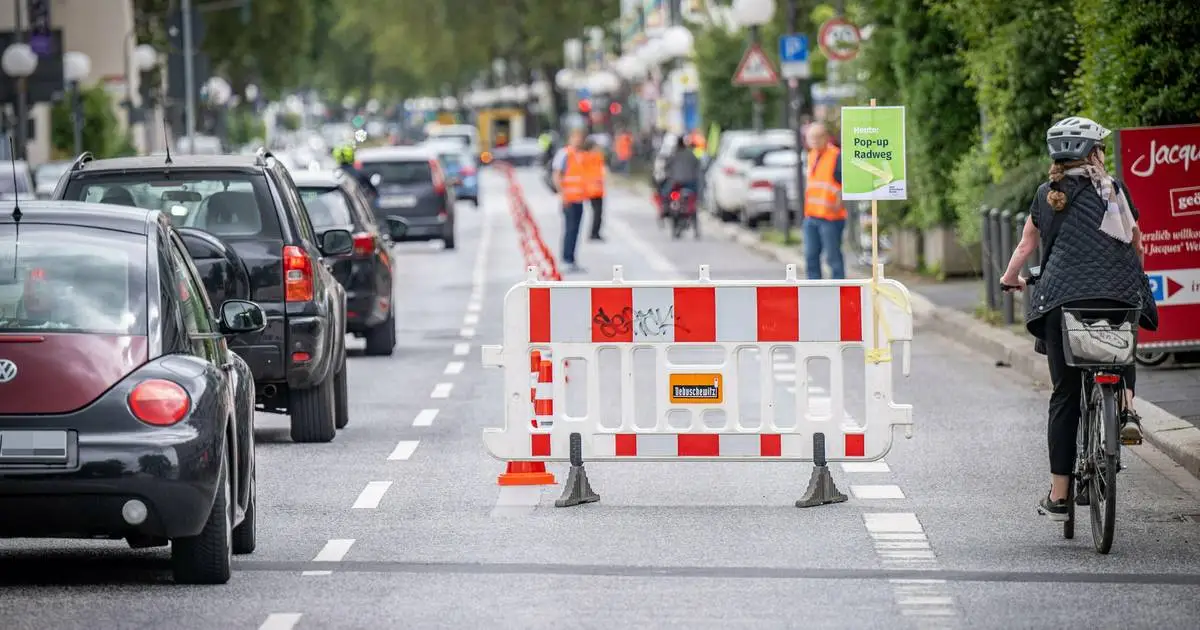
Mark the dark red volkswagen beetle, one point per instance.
(122, 412)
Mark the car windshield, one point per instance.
(753, 152)
(327, 207)
(463, 140)
(410, 172)
(452, 161)
(233, 205)
(72, 279)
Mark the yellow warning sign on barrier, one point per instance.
(696, 389)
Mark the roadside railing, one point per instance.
(1000, 233)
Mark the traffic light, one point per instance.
(614, 109)
(585, 106)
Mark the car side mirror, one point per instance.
(376, 179)
(240, 317)
(397, 228)
(336, 242)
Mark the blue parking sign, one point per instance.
(793, 48)
(1158, 287)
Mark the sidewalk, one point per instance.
(1168, 396)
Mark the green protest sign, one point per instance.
(873, 153)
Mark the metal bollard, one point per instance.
(989, 273)
(997, 256)
(1006, 248)
(780, 214)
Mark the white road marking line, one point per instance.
(281, 621)
(467, 333)
(424, 419)
(886, 491)
(405, 448)
(903, 544)
(370, 497)
(933, 600)
(916, 581)
(652, 256)
(454, 367)
(441, 390)
(334, 550)
(866, 467)
(884, 536)
(461, 349)
(474, 307)
(470, 319)
(898, 522)
(314, 573)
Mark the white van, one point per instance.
(468, 135)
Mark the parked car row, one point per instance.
(146, 312)
(740, 179)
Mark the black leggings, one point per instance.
(1065, 401)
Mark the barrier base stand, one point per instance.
(526, 474)
(577, 490)
(821, 488)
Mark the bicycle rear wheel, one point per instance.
(1103, 445)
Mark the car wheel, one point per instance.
(245, 536)
(313, 413)
(341, 398)
(207, 558)
(381, 340)
(448, 242)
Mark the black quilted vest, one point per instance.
(1085, 263)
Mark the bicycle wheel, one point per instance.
(1103, 445)
(1069, 524)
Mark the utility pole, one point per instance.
(22, 85)
(189, 75)
(796, 89)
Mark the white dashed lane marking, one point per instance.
(462, 349)
(467, 333)
(441, 390)
(405, 448)
(454, 367)
(474, 307)
(370, 497)
(471, 319)
(281, 621)
(333, 551)
(424, 419)
(887, 491)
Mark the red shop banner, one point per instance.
(1160, 166)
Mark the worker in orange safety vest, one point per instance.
(824, 214)
(594, 183)
(570, 168)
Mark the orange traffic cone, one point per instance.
(526, 474)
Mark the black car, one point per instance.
(335, 201)
(251, 203)
(412, 185)
(123, 413)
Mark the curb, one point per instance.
(1177, 438)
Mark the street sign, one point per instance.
(793, 55)
(839, 40)
(873, 153)
(755, 69)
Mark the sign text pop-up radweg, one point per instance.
(873, 153)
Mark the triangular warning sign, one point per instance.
(755, 69)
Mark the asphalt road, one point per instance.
(399, 523)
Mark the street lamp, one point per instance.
(449, 104)
(373, 106)
(522, 94)
(145, 57)
(565, 79)
(252, 93)
(603, 82)
(754, 13)
(19, 61)
(218, 92)
(677, 42)
(76, 68)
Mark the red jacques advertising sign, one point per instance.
(1161, 168)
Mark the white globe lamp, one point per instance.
(677, 42)
(449, 103)
(753, 12)
(252, 93)
(145, 57)
(564, 79)
(373, 106)
(522, 95)
(76, 67)
(604, 83)
(19, 61)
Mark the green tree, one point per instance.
(101, 130)
(270, 50)
(729, 106)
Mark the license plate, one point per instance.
(405, 201)
(33, 446)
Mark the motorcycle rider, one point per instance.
(344, 156)
(682, 170)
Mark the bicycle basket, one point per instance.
(1097, 338)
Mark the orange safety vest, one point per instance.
(574, 177)
(822, 195)
(624, 147)
(593, 180)
(698, 141)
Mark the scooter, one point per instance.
(681, 209)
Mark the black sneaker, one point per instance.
(1131, 428)
(1054, 510)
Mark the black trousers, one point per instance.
(1066, 399)
(597, 215)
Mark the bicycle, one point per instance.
(1102, 342)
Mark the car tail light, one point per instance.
(358, 164)
(364, 244)
(158, 402)
(729, 170)
(439, 180)
(468, 171)
(762, 183)
(297, 274)
(674, 195)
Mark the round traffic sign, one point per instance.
(839, 40)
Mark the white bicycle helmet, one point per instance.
(1073, 138)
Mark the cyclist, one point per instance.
(1092, 258)
(344, 156)
(682, 169)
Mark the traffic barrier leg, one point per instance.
(577, 490)
(821, 488)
